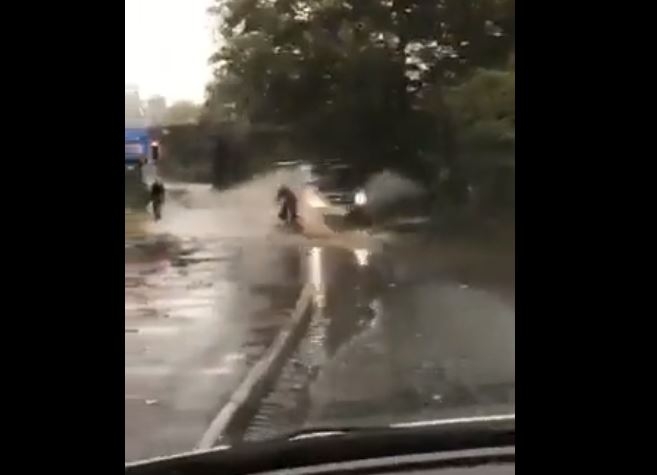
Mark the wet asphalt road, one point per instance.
(203, 300)
(402, 332)
(388, 345)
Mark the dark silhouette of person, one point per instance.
(288, 200)
(157, 197)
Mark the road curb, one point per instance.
(260, 378)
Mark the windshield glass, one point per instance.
(319, 212)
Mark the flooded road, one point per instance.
(401, 328)
(206, 290)
(393, 340)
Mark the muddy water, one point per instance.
(206, 290)
(402, 328)
(403, 333)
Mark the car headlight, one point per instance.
(361, 198)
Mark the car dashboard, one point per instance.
(499, 461)
(469, 446)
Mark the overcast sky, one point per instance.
(167, 46)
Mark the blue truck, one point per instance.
(137, 146)
(141, 152)
(141, 156)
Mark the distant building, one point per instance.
(133, 107)
(156, 108)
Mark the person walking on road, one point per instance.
(157, 198)
(288, 200)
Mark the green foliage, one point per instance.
(484, 106)
(401, 84)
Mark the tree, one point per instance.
(368, 81)
(484, 105)
(484, 110)
(182, 112)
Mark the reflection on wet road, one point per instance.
(400, 330)
(200, 308)
(388, 343)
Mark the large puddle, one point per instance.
(205, 294)
(401, 329)
(396, 341)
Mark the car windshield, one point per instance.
(380, 288)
